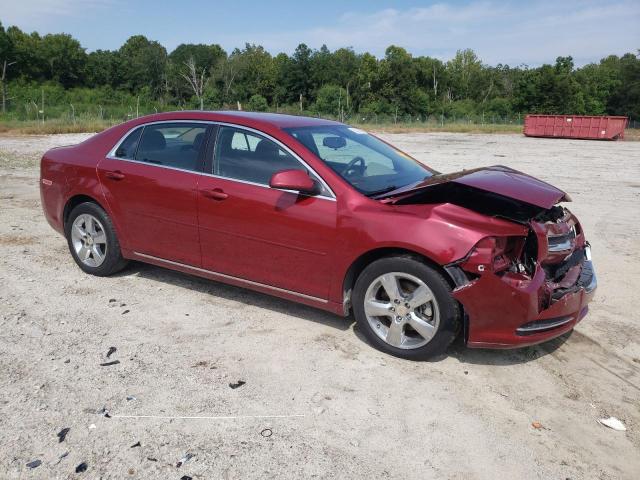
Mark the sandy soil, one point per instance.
(336, 407)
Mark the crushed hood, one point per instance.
(497, 179)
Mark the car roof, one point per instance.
(249, 119)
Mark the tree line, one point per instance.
(55, 69)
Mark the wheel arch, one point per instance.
(360, 263)
(73, 202)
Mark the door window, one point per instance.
(172, 144)
(247, 156)
(127, 149)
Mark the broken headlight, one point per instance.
(496, 254)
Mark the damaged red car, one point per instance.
(328, 215)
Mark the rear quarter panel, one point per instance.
(69, 171)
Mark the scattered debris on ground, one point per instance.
(82, 467)
(34, 464)
(107, 364)
(267, 432)
(238, 384)
(111, 351)
(62, 434)
(185, 459)
(614, 423)
(62, 457)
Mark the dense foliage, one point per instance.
(55, 75)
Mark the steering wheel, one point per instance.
(351, 169)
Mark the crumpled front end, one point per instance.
(519, 291)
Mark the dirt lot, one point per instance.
(336, 407)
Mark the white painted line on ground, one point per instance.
(229, 417)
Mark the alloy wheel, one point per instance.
(89, 240)
(402, 310)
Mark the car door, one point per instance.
(150, 182)
(251, 231)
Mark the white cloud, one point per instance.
(42, 14)
(500, 32)
(513, 32)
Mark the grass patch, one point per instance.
(54, 126)
(33, 127)
(447, 127)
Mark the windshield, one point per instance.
(367, 163)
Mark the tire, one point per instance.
(422, 300)
(91, 235)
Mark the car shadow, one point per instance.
(505, 357)
(484, 356)
(457, 350)
(238, 294)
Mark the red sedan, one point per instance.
(328, 215)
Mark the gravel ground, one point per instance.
(334, 407)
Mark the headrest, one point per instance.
(153, 140)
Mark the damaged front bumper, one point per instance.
(510, 314)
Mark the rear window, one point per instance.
(127, 149)
(174, 145)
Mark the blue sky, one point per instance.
(527, 32)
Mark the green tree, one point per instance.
(321, 67)
(331, 99)
(282, 64)
(64, 57)
(26, 51)
(550, 89)
(144, 63)
(6, 63)
(596, 83)
(205, 57)
(104, 67)
(366, 81)
(465, 71)
(298, 75)
(397, 81)
(257, 103)
(257, 73)
(625, 97)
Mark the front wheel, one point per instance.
(405, 308)
(92, 240)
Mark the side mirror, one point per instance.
(334, 142)
(297, 180)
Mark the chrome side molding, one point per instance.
(231, 277)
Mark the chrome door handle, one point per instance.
(215, 194)
(115, 175)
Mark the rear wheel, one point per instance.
(405, 308)
(92, 240)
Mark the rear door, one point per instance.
(150, 182)
(251, 231)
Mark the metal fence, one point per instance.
(439, 120)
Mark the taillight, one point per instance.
(494, 254)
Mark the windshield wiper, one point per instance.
(382, 191)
